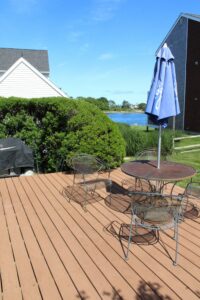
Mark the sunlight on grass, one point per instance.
(187, 142)
(188, 158)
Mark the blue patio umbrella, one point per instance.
(162, 102)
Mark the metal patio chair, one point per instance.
(150, 154)
(154, 186)
(155, 212)
(87, 170)
(192, 192)
(146, 154)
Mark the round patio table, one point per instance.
(169, 171)
(147, 169)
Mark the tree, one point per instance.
(101, 103)
(112, 104)
(126, 104)
(142, 106)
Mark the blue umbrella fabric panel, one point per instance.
(162, 100)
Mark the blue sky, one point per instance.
(97, 48)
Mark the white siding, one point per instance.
(24, 82)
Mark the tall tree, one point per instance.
(126, 104)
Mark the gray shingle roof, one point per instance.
(37, 58)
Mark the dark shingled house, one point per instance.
(184, 42)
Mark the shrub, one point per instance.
(138, 140)
(56, 128)
(166, 140)
(135, 139)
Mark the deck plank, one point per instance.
(155, 264)
(88, 240)
(62, 239)
(120, 261)
(26, 276)
(61, 277)
(9, 277)
(42, 272)
(51, 249)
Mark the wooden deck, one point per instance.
(52, 249)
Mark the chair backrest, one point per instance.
(156, 208)
(147, 154)
(86, 164)
(193, 189)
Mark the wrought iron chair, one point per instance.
(146, 154)
(87, 169)
(154, 186)
(151, 154)
(192, 192)
(155, 212)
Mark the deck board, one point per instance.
(51, 249)
(26, 275)
(64, 242)
(9, 277)
(41, 269)
(93, 245)
(153, 262)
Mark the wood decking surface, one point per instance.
(51, 248)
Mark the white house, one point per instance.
(24, 73)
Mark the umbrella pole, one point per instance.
(159, 147)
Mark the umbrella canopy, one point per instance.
(162, 102)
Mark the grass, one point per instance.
(191, 158)
(188, 158)
(187, 142)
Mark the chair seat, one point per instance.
(87, 171)
(154, 212)
(154, 216)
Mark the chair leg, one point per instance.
(130, 236)
(85, 201)
(110, 191)
(71, 194)
(85, 195)
(176, 237)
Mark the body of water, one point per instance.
(129, 118)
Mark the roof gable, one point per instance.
(182, 15)
(37, 58)
(35, 71)
(191, 16)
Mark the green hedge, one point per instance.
(56, 128)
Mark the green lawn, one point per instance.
(187, 142)
(189, 158)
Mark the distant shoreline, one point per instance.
(124, 112)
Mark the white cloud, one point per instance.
(62, 64)
(23, 6)
(106, 56)
(84, 47)
(74, 36)
(104, 10)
